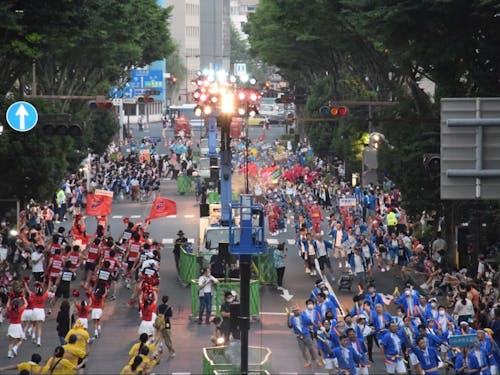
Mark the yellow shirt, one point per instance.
(127, 370)
(147, 363)
(82, 336)
(134, 350)
(32, 367)
(72, 352)
(63, 367)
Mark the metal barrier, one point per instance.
(218, 297)
(263, 267)
(220, 360)
(185, 184)
(189, 267)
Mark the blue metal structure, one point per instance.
(251, 228)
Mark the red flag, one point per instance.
(99, 203)
(162, 207)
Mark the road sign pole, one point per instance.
(121, 121)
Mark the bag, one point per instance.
(159, 323)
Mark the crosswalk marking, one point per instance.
(117, 217)
(188, 216)
(167, 241)
(272, 241)
(135, 216)
(291, 242)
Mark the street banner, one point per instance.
(347, 202)
(99, 203)
(162, 207)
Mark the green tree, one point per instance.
(78, 47)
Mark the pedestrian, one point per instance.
(83, 312)
(180, 243)
(206, 284)
(165, 335)
(464, 309)
(136, 367)
(82, 335)
(63, 321)
(390, 345)
(33, 366)
(279, 256)
(15, 308)
(357, 263)
(58, 365)
(74, 353)
(300, 325)
(38, 262)
(38, 301)
(97, 299)
(322, 246)
(147, 308)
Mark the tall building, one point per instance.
(215, 42)
(186, 31)
(239, 14)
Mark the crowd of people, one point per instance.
(76, 273)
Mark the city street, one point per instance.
(110, 351)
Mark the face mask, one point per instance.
(310, 307)
(442, 312)
(433, 304)
(230, 299)
(407, 292)
(327, 292)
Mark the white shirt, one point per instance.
(37, 259)
(320, 246)
(358, 264)
(208, 287)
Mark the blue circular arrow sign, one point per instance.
(22, 116)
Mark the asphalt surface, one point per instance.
(110, 352)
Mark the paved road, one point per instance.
(120, 325)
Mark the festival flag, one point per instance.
(162, 207)
(99, 203)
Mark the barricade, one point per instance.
(225, 360)
(185, 184)
(263, 266)
(218, 297)
(189, 267)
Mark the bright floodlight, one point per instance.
(241, 95)
(221, 75)
(253, 97)
(227, 104)
(252, 81)
(241, 111)
(207, 110)
(232, 79)
(244, 77)
(197, 111)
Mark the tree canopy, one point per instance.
(367, 50)
(75, 47)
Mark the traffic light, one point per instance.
(106, 104)
(333, 111)
(59, 125)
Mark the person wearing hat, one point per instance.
(180, 242)
(300, 323)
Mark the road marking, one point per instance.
(167, 241)
(181, 373)
(291, 242)
(272, 241)
(117, 217)
(171, 216)
(135, 216)
(286, 295)
(188, 216)
(273, 313)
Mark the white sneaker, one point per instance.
(10, 355)
(388, 268)
(340, 265)
(39, 342)
(14, 350)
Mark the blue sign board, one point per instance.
(146, 79)
(22, 116)
(129, 92)
(460, 341)
(115, 92)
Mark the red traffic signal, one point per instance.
(332, 111)
(100, 105)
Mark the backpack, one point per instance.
(159, 323)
